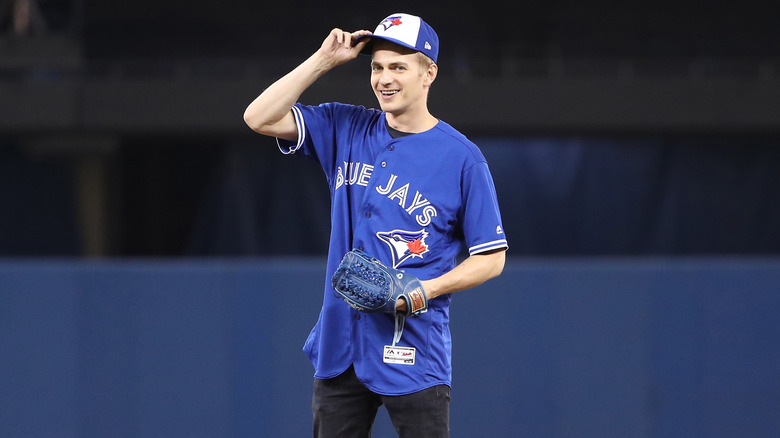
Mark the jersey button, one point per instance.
(390, 148)
(384, 163)
(368, 214)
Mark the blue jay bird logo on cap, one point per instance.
(404, 244)
(389, 22)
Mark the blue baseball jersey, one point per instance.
(412, 202)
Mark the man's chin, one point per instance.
(384, 106)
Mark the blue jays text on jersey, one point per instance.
(360, 174)
(412, 202)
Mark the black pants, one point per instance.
(344, 408)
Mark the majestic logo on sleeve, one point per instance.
(404, 244)
(389, 22)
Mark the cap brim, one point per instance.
(369, 48)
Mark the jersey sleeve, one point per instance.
(322, 128)
(482, 227)
(318, 127)
(290, 147)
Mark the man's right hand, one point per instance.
(339, 47)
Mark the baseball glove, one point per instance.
(369, 286)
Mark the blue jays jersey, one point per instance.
(412, 202)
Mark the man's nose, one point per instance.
(385, 77)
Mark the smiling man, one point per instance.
(411, 191)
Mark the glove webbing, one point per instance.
(400, 319)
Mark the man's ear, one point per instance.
(430, 74)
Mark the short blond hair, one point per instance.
(424, 60)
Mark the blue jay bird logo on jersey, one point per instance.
(389, 22)
(404, 244)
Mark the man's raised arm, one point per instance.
(269, 114)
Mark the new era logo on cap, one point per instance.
(408, 31)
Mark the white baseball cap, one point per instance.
(408, 31)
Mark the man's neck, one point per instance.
(412, 123)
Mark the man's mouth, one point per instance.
(388, 92)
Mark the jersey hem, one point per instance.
(422, 388)
(376, 390)
(316, 376)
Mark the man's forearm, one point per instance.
(273, 106)
(472, 272)
(276, 101)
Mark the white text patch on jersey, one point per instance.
(353, 174)
(400, 193)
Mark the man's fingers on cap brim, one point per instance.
(361, 37)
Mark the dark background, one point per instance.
(161, 265)
(618, 128)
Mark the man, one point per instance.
(409, 190)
